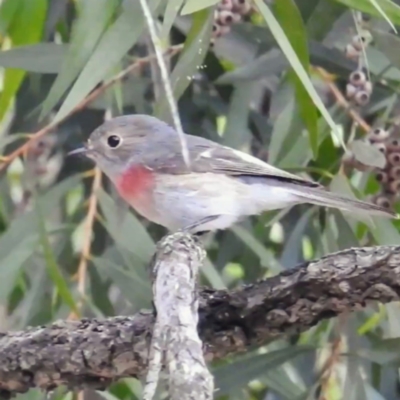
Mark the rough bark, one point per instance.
(93, 353)
(175, 339)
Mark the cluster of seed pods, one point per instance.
(229, 12)
(359, 87)
(358, 92)
(389, 177)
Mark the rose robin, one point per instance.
(142, 156)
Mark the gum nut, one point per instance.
(394, 187)
(351, 90)
(351, 52)
(216, 30)
(378, 135)
(381, 176)
(225, 29)
(225, 5)
(368, 87)
(393, 159)
(225, 17)
(357, 78)
(241, 6)
(394, 173)
(237, 17)
(361, 40)
(381, 147)
(393, 145)
(361, 98)
(382, 201)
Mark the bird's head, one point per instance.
(123, 141)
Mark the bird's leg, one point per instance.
(192, 228)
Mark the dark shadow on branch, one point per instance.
(94, 353)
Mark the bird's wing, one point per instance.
(208, 156)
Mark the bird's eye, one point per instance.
(114, 141)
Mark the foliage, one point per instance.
(273, 86)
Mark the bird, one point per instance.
(218, 187)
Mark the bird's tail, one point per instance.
(322, 197)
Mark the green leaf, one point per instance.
(13, 261)
(94, 15)
(236, 133)
(232, 376)
(264, 254)
(26, 28)
(129, 276)
(171, 12)
(193, 6)
(117, 40)
(53, 267)
(390, 9)
(192, 56)
(43, 58)
(8, 10)
(126, 229)
(389, 45)
(296, 64)
(367, 154)
(291, 22)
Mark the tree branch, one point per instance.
(93, 353)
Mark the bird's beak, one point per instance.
(84, 150)
(80, 150)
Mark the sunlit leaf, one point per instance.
(26, 28)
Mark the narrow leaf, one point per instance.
(291, 22)
(114, 44)
(193, 6)
(297, 66)
(87, 30)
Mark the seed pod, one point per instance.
(378, 135)
(225, 5)
(368, 87)
(352, 53)
(225, 17)
(382, 201)
(351, 91)
(382, 177)
(393, 159)
(361, 40)
(216, 30)
(358, 78)
(241, 6)
(380, 146)
(394, 173)
(361, 98)
(393, 145)
(394, 187)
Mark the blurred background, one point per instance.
(311, 86)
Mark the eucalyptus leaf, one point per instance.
(367, 154)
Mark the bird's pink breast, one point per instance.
(135, 186)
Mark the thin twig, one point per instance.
(341, 100)
(88, 232)
(84, 103)
(165, 79)
(81, 273)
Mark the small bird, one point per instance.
(220, 186)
